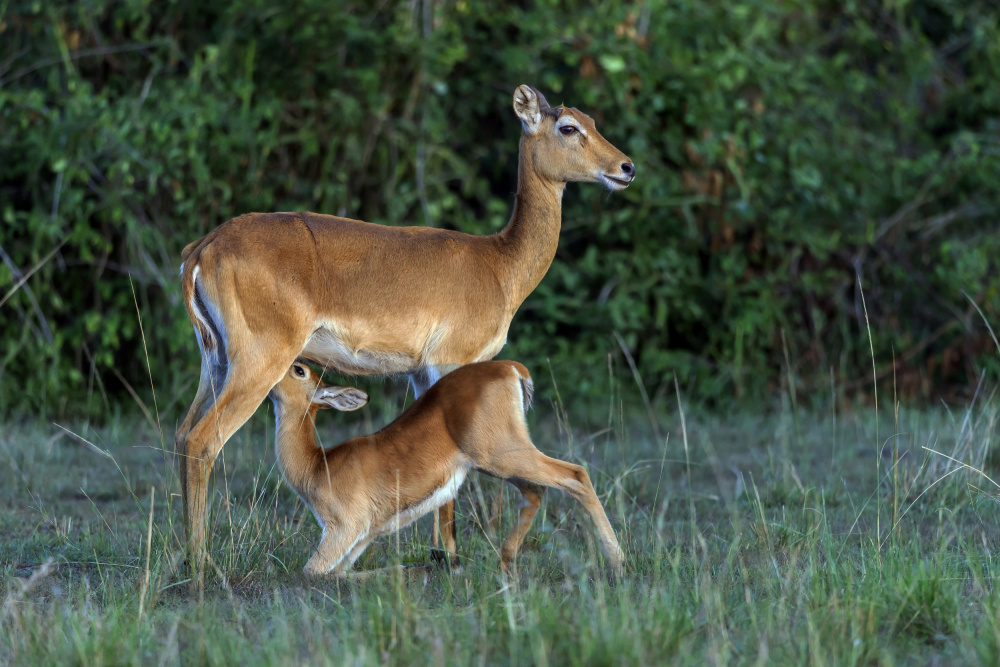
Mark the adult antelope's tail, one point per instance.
(202, 313)
(195, 307)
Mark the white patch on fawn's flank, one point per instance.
(439, 497)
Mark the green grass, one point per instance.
(792, 537)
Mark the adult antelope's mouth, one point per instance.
(614, 183)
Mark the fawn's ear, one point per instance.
(528, 105)
(344, 399)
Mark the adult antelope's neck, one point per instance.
(528, 243)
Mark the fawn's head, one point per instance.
(565, 145)
(302, 389)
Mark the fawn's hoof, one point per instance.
(445, 558)
(616, 572)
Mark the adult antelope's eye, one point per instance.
(567, 129)
(300, 371)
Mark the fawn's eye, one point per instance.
(567, 130)
(301, 372)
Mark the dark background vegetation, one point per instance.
(784, 151)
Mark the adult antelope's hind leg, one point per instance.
(203, 396)
(250, 379)
(531, 498)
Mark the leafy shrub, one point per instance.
(783, 150)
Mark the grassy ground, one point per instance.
(798, 538)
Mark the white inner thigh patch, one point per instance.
(442, 495)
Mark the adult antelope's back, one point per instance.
(266, 288)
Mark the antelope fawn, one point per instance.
(472, 418)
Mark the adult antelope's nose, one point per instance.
(628, 169)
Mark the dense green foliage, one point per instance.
(783, 150)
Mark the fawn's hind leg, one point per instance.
(525, 463)
(531, 498)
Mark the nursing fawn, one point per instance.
(472, 418)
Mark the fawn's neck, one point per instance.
(295, 443)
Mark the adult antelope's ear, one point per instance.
(344, 399)
(528, 105)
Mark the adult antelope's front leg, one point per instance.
(444, 521)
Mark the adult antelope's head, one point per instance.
(302, 389)
(564, 144)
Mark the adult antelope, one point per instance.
(471, 419)
(266, 288)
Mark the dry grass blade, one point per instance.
(964, 465)
(135, 396)
(642, 387)
(985, 321)
(145, 350)
(149, 542)
(871, 347)
(86, 443)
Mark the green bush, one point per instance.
(783, 150)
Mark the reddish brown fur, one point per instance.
(471, 418)
(369, 299)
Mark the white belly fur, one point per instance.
(443, 494)
(327, 346)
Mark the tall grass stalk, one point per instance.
(878, 444)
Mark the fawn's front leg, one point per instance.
(346, 563)
(339, 542)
